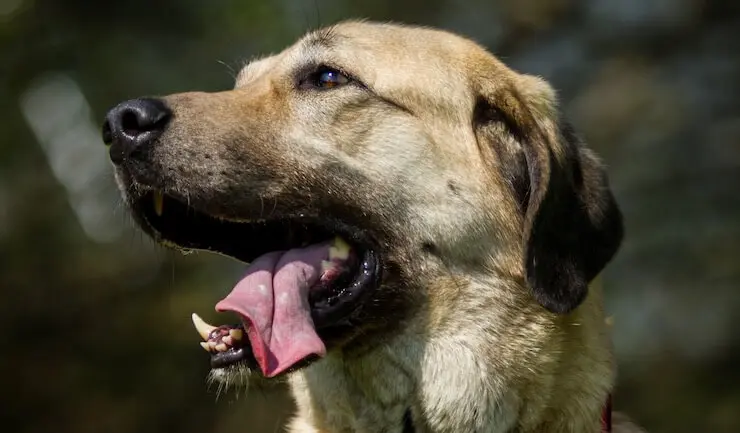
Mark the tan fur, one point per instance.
(476, 352)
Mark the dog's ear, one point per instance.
(572, 226)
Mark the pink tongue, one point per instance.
(273, 301)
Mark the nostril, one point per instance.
(130, 124)
(145, 117)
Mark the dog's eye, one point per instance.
(326, 78)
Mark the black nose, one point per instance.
(130, 126)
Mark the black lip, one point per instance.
(233, 356)
(329, 311)
(221, 233)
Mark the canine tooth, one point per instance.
(202, 327)
(158, 203)
(235, 334)
(211, 345)
(221, 347)
(205, 346)
(339, 249)
(228, 340)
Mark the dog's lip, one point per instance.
(147, 199)
(149, 203)
(330, 314)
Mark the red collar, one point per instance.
(606, 416)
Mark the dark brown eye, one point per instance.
(326, 78)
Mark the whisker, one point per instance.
(230, 69)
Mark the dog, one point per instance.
(421, 227)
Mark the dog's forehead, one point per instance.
(396, 59)
(393, 39)
(391, 59)
(385, 48)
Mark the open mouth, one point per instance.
(304, 275)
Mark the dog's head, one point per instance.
(417, 148)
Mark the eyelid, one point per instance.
(310, 70)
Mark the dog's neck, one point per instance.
(463, 374)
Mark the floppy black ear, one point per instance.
(572, 225)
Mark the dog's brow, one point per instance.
(251, 69)
(324, 38)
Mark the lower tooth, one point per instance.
(221, 347)
(205, 346)
(235, 334)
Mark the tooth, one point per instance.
(158, 203)
(235, 334)
(205, 346)
(202, 327)
(228, 340)
(211, 346)
(221, 347)
(339, 249)
(326, 265)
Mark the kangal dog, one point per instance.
(421, 227)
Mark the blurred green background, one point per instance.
(96, 318)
